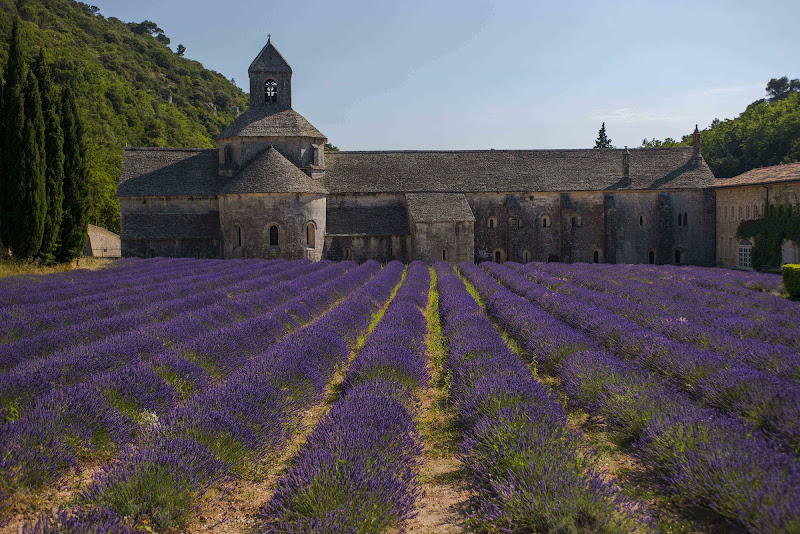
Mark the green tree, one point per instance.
(657, 143)
(54, 158)
(181, 50)
(780, 88)
(76, 181)
(602, 140)
(331, 148)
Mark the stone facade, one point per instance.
(270, 190)
(743, 198)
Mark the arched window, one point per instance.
(237, 231)
(347, 253)
(721, 247)
(444, 254)
(642, 219)
(492, 223)
(651, 257)
(755, 212)
(596, 256)
(678, 256)
(685, 219)
(680, 219)
(730, 246)
(152, 253)
(310, 238)
(526, 256)
(273, 235)
(740, 213)
(545, 221)
(498, 256)
(270, 91)
(748, 211)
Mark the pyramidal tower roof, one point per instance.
(269, 60)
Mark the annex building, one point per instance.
(270, 190)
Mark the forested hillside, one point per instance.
(766, 133)
(124, 76)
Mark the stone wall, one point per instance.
(170, 226)
(255, 213)
(382, 248)
(448, 241)
(744, 202)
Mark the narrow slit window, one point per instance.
(273, 235)
(444, 254)
(596, 256)
(310, 238)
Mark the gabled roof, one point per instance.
(169, 172)
(777, 173)
(269, 60)
(265, 122)
(514, 170)
(371, 220)
(439, 207)
(270, 172)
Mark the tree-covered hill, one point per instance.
(766, 133)
(131, 87)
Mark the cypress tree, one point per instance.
(12, 124)
(26, 174)
(75, 222)
(54, 158)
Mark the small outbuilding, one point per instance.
(101, 243)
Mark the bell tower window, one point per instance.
(270, 91)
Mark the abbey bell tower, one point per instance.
(270, 81)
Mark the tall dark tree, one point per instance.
(11, 125)
(602, 140)
(26, 174)
(780, 88)
(77, 194)
(54, 158)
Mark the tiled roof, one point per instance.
(379, 220)
(265, 122)
(438, 207)
(170, 226)
(169, 172)
(513, 170)
(777, 173)
(269, 60)
(270, 172)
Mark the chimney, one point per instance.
(696, 143)
(626, 163)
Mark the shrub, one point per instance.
(791, 279)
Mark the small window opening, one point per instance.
(545, 221)
(596, 256)
(527, 256)
(152, 253)
(197, 253)
(651, 257)
(492, 223)
(238, 236)
(685, 219)
(730, 246)
(498, 256)
(270, 91)
(642, 219)
(347, 253)
(391, 252)
(444, 254)
(310, 238)
(678, 256)
(273, 235)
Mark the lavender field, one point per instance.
(179, 395)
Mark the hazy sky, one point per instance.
(477, 74)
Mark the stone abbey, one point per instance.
(270, 190)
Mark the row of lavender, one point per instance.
(176, 296)
(729, 325)
(529, 471)
(736, 383)
(117, 389)
(243, 420)
(162, 282)
(715, 461)
(359, 469)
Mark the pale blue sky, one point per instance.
(478, 74)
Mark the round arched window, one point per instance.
(270, 91)
(545, 221)
(273, 235)
(492, 223)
